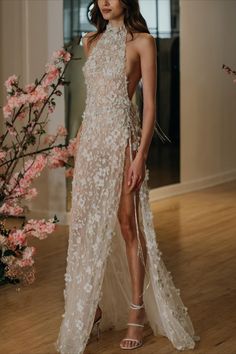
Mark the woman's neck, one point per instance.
(116, 23)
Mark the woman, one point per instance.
(112, 242)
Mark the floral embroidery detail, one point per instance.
(88, 287)
(79, 325)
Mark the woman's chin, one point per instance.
(107, 16)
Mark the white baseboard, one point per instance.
(190, 186)
(154, 194)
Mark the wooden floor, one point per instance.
(197, 235)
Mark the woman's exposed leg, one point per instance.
(126, 216)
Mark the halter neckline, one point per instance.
(115, 29)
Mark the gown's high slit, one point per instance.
(97, 267)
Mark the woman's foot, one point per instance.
(136, 316)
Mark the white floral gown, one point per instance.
(97, 268)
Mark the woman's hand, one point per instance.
(136, 173)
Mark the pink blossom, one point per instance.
(29, 252)
(39, 163)
(22, 99)
(62, 54)
(39, 228)
(29, 87)
(13, 180)
(31, 193)
(49, 139)
(12, 102)
(25, 262)
(18, 191)
(22, 114)
(69, 172)
(7, 111)
(35, 167)
(71, 148)
(61, 131)
(58, 157)
(13, 79)
(52, 74)
(11, 209)
(27, 257)
(17, 237)
(32, 170)
(38, 95)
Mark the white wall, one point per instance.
(208, 96)
(30, 32)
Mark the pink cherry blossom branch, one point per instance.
(28, 105)
(19, 150)
(35, 152)
(19, 153)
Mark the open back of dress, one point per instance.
(97, 267)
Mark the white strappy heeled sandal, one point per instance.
(135, 343)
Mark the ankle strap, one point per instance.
(135, 324)
(136, 307)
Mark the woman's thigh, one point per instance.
(126, 211)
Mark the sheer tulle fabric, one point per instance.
(97, 268)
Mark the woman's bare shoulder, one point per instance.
(85, 41)
(86, 36)
(143, 41)
(143, 38)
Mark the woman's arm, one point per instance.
(86, 43)
(148, 54)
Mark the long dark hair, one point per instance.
(133, 19)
